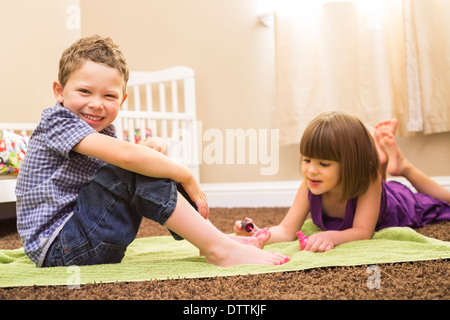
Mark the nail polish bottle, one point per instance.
(302, 239)
(247, 226)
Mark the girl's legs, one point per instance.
(398, 165)
(218, 248)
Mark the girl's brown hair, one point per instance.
(96, 49)
(343, 138)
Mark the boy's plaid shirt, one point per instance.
(51, 177)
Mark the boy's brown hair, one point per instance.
(343, 138)
(96, 49)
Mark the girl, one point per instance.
(343, 188)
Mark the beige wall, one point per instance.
(231, 52)
(33, 35)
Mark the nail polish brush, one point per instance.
(247, 226)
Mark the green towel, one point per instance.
(164, 258)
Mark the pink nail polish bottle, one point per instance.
(247, 226)
(302, 239)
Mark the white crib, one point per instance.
(162, 102)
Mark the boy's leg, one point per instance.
(178, 214)
(217, 247)
(109, 211)
(107, 217)
(103, 224)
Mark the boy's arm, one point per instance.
(141, 159)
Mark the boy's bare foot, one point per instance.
(245, 250)
(257, 240)
(239, 253)
(217, 247)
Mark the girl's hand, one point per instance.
(156, 143)
(241, 232)
(320, 242)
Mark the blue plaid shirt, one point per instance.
(51, 177)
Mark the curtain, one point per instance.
(376, 59)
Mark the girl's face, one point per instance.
(94, 93)
(321, 176)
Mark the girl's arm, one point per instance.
(294, 219)
(364, 223)
(144, 160)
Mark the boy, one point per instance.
(81, 193)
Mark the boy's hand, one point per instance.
(241, 232)
(202, 205)
(157, 143)
(192, 188)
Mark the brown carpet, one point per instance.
(400, 281)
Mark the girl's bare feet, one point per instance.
(393, 161)
(385, 126)
(390, 125)
(381, 154)
(397, 164)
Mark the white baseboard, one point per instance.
(233, 195)
(251, 194)
(7, 189)
(267, 194)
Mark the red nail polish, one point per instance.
(302, 239)
(247, 226)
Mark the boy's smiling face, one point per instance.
(94, 92)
